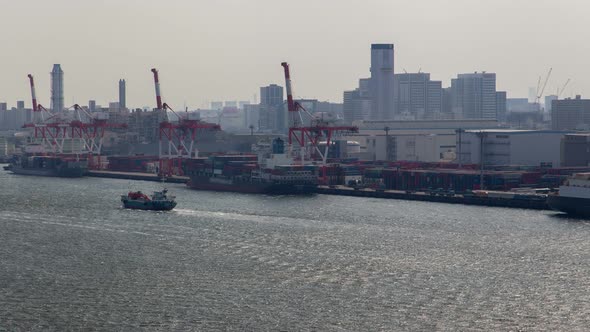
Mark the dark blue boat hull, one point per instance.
(149, 205)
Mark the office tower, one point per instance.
(548, 101)
(570, 114)
(501, 105)
(381, 84)
(272, 114)
(417, 96)
(242, 103)
(57, 88)
(122, 94)
(216, 105)
(474, 96)
(357, 103)
(92, 105)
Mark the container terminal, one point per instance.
(307, 159)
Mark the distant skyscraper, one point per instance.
(57, 88)
(532, 94)
(501, 104)
(92, 105)
(357, 103)
(474, 96)
(242, 103)
(447, 102)
(216, 105)
(570, 114)
(122, 94)
(20, 104)
(230, 103)
(382, 88)
(272, 114)
(271, 95)
(418, 96)
(548, 100)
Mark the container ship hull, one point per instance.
(64, 172)
(269, 188)
(49, 166)
(571, 205)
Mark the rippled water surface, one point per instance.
(71, 259)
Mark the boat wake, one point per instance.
(248, 217)
(71, 222)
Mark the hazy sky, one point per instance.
(210, 50)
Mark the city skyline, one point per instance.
(208, 51)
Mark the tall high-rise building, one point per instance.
(271, 95)
(357, 103)
(501, 104)
(57, 88)
(381, 84)
(122, 94)
(20, 104)
(216, 105)
(474, 96)
(548, 101)
(570, 114)
(92, 105)
(272, 114)
(242, 103)
(417, 96)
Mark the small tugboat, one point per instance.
(159, 201)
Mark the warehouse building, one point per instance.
(510, 147)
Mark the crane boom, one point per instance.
(560, 91)
(544, 85)
(33, 94)
(290, 103)
(157, 85)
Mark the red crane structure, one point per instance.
(53, 131)
(305, 140)
(91, 134)
(56, 129)
(177, 139)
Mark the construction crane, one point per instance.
(541, 89)
(306, 139)
(560, 91)
(177, 140)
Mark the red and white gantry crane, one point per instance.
(177, 139)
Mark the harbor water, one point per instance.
(73, 259)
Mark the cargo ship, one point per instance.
(573, 197)
(159, 201)
(49, 166)
(275, 175)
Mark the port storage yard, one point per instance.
(478, 197)
(304, 160)
(504, 186)
(536, 203)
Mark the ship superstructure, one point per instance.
(267, 174)
(574, 196)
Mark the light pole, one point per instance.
(481, 136)
(458, 148)
(387, 154)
